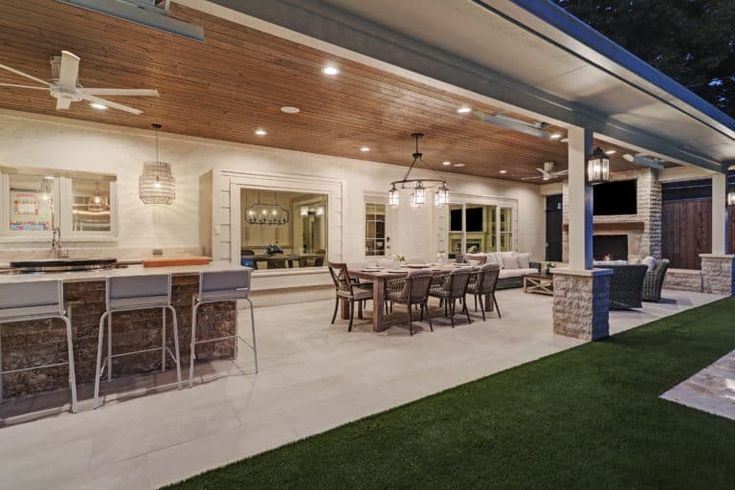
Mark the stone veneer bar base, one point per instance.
(718, 274)
(581, 303)
(44, 342)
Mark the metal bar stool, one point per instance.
(216, 287)
(127, 293)
(37, 300)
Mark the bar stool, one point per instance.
(128, 293)
(216, 287)
(37, 300)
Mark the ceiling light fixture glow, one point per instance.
(365, 149)
(459, 165)
(289, 109)
(98, 107)
(446, 163)
(330, 70)
(556, 136)
(465, 109)
(261, 132)
(503, 172)
(610, 152)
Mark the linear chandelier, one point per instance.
(418, 195)
(266, 214)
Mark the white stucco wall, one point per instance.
(37, 141)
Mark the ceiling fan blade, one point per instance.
(26, 75)
(15, 85)
(531, 178)
(123, 92)
(114, 105)
(69, 70)
(63, 104)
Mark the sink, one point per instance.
(59, 265)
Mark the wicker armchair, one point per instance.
(411, 290)
(482, 285)
(654, 281)
(453, 287)
(348, 290)
(626, 285)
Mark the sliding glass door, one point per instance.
(479, 228)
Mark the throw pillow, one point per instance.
(510, 262)
(524, 260)
(650, 262)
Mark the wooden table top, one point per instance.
(385, 274)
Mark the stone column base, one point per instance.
(718, 274)
(581, 303)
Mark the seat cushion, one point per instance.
(506, 273)
(510, 262)
(358, 294)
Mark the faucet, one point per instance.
(56, 249)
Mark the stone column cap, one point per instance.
(717, 256)
(566, 271)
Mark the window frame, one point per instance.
(375, 238)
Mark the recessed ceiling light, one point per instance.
(565, 140)
(446, 163)
(289, 109)
(365, 149)
(97, 106)
(556, 136)
(503, 172)
(465, 109)
(330, 70)
(261, 132)
(610, 152)
(459, 165)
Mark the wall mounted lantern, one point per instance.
(598, 167)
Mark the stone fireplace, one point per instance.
(610, 247)
(631, 236)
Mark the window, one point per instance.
(282, 229)
(35, 201)
(479, 228)
(375, 230)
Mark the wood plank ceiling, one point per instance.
(238, 79)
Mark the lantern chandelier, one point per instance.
(418, 195)
(266, 214)
(157, 185)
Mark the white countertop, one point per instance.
(132, 270)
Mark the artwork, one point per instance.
(28, 212)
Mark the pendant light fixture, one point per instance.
(97, 203)
(420, 186)
(156, 184)
(267, 214)
(598, 167)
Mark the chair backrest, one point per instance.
(247, 251)
(31, 298)
(340, 276)
(277, 263)
(416, 287)
(456, 282)
(490, 274)
(475, 259)
(217, 282)
(319, 261)
(129, 291)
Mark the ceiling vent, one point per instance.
(149, 13)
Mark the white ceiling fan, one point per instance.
(548, 173)
(64, 86)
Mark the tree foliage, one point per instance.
(692, 41)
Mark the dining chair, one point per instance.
(411, 290)
(453, 288)
(348, 290)
(482, 285)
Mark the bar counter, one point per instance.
(25, 344)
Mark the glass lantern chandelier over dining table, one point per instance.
(420, 186)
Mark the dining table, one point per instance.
(379, 276)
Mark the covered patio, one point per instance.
(313, 377)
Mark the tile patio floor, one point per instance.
(314, 376)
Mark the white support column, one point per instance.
(719, 214)
(580, 200)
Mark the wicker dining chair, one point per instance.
(411, 290)
(482, 285)
(348, 290)
(453, 288)
(654, 281)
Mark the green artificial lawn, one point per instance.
(589, 417)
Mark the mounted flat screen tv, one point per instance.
(473, 216)
(615, 198)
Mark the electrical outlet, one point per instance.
(157, 252)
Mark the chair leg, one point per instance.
(467, 312)
(109, 348)
(336, 307)
(410, 319)
(497, 308)
(359, 310)
(421, 307)
(72, 370)
(482, 306)
(192, 345)
(451, 312)
(428, 315)
(475, 303)
(177, 351)
(163, 339)
(252, 327)
(352, 315)
(98, 368)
